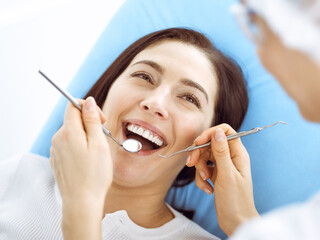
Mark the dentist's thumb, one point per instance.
(221, 152)
(91, 120)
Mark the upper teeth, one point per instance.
(145, 134)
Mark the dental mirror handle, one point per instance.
(76, 104)
(64, 93)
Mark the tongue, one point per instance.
(146, 144)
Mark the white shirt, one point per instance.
(296, 221)
(31, 208)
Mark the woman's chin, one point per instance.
(129, 173)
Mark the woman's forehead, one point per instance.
(182, 59)
(175, 51)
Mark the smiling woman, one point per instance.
(164, 90)
(224, 81)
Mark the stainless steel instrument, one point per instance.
(130, 145)
(229, 137)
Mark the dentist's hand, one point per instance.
(82, 166)
(80, 155)
(230, 175)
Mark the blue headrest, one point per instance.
(285, 159)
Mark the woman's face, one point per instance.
(165, 99)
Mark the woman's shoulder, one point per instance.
(22, 169)
(31, 198)
(15, 159)
(25, 163)
(189, 228)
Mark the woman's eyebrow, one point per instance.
(152, 64)
(184, 81)
(191, 83)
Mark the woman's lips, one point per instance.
(145, 132)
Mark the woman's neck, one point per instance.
(145, 208)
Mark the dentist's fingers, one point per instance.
(202, 156)
(207, 135)
(102, 117)
(92, 122)
(220, 151)
(230, 155)
(73, 128)
(202, 184)
(193, 157)
(197, 155)
(232, 152)
(80, 154)
(233, 183)
(213, 173)
(230, 175)
(202, 168)
(203, 138)
(72, 118)
(72, 114)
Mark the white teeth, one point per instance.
(154, 139)
(145, 133)
(140, 131)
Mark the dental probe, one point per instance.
(229, 137)
(130, 145)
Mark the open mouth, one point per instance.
(149, 139)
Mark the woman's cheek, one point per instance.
(192, 127)
(119, 98)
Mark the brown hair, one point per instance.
(232, 98)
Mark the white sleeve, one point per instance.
(298, 221)
(8, 168)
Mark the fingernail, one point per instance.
(207, 190)
(219, 135)
(188, 160)
(90, 104)
(203, 175)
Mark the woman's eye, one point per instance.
(143, 76)
(192, 99)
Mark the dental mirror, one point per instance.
(130, 145)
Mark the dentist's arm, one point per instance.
(82, 166)
(230, 175)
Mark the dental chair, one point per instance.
(285, 159)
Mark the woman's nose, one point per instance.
(156, 105)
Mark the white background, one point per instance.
(54, 36)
